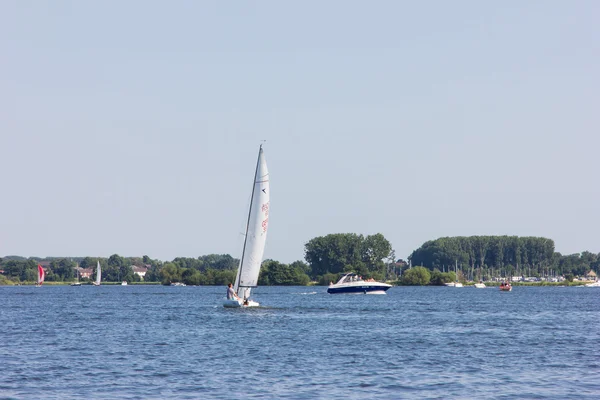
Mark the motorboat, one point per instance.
(124, 283)
(505, 287)
(479, 285)
(353, 283)
(177, 284)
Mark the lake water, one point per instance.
(154, 342)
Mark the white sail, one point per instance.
(98, 273)
(256, 231)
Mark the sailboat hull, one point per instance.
(239, 304)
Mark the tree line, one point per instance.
(481, 256)
(326, 257)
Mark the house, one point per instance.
(85, 272)
(140, 271)
(591, 276)
(45, 265)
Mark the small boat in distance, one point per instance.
(76, 283)
(98, 275)
(255, 238)
(593, 284)
(177, 284)
(41, 276)
(505, 287)
(480, 285)
(456, 283)
(352, 283)
(124, 283)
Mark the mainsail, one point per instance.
(41, 275)
(256, 231)
(98, 274)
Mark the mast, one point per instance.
(237, 280)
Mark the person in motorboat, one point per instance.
(231, 295)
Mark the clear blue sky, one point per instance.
(132, 127)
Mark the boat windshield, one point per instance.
(349, 278)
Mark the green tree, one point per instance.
(345, 252)
(417, 276)
(170, 273)
(276, 273)
(63, 269)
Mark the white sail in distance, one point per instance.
(256, 231)
(98, 274)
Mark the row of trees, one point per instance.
(212, 269)
(479, 255)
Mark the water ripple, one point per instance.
(150, 342)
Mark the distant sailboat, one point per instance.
(255, 239)
(76, 283)
(457, 283)
(41, 276)
(98, 275)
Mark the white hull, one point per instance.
(595, 284)
(449, 284)
(458, 284)
(239, 304)
(479, 286)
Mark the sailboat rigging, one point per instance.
(255, 237)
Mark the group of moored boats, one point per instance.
(504, 286)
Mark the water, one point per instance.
(151, 342)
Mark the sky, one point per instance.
(133, 127)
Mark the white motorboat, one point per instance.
(479, 285)
(352, 283)
(124, 283)
(255, 238)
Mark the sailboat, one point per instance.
(457, 283)
(76, 283)
(98, 275)
(41, 276)
(255, 238)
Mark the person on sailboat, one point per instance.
(231, 293)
